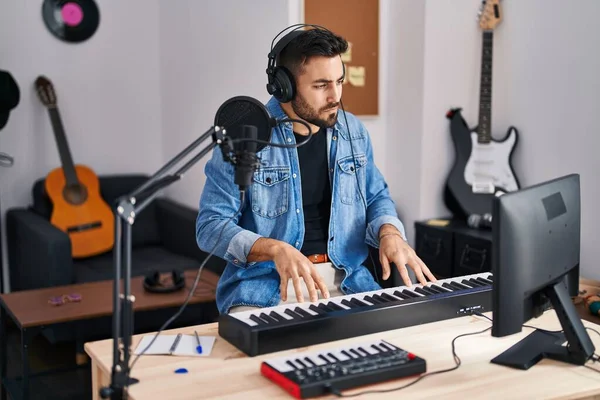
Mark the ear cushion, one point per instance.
(152, 282)
(178, 279)
(152, 279)
(285, 85)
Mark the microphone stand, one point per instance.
(127, 208)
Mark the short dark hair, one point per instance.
(310, 43)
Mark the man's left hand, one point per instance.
(393, 249)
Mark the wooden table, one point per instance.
(229, 374)
(31, 312)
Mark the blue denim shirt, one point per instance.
(273, 209)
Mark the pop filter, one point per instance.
(243, 110)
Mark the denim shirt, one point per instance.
(273, 208)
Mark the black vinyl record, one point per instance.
(71, 20)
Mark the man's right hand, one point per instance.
(290, 264)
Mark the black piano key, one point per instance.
(403, 296)
(459, 286)
(482, 281)
(441, 289)
(379, 349)
(387, 346)
(359, 303)
(388, 297)
(449, 287)
(327, 360)
(324, 307)
(486, 280)
(478, 284)
(363, 351)
(429, 290)
(421, 291)
(356, 353)
(490, 277)
(332, 356)
(317, 309)
(350, 356)
(278, 317)
(334, 306)
(267, 318)
(392, 346)
(370, 299)
(309, 361)
(256, 319)
(294, 314)
(302, 312)
(301, 363)
(291, 364)
(380, 298)
(347, 303)
(410, 293)
(469, 284)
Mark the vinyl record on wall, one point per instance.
(71, 20)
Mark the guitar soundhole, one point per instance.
(75, 194)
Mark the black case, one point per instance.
(454, 249)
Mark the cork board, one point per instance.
(358, 22)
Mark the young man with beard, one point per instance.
(312, 211)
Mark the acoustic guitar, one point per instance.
(483, 166)
(74, 191)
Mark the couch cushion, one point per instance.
(143, 261)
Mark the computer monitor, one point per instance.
(535, 263)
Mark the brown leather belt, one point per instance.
(318, 258)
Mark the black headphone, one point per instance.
(281, 83)
(153, 284)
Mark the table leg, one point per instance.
(25, 341)
(3, 352)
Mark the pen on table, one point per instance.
(175, 343)
(199, 347)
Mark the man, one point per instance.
(312, 211)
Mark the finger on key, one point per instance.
(297, 287)
(426, 271)
(414, 264)
(320, 284)
(310, 285)
(283, 287)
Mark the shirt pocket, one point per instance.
(270, 191)
(349, 168)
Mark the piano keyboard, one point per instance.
(289, 326)
(312, 374)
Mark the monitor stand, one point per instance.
(540, 344)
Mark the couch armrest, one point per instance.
(39, 254)
(177, 226)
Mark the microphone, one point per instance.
(245, 160)
(480, 221)
(244, 110)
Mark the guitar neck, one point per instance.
(485, 89)
(63, 147)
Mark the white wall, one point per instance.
(545, 83)
(208, 55)
(107, 91)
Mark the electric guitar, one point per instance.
(74, 191)
(482, 167)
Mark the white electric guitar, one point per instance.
(482, 167)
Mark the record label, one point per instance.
(71, 20)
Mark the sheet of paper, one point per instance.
(347, 56)
(186, 346)
(356, 76)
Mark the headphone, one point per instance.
(281, 83)
(153, 284)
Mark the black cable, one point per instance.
(282, 146)
(193, 289)
(457, 363)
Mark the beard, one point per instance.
(312, 116)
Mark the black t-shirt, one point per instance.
(316, 192)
